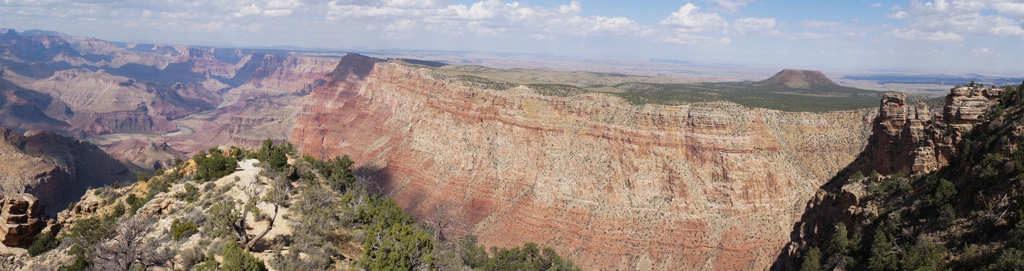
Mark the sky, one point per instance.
(961, 35)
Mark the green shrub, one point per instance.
(1010, 259)
(89, 231)
(191, 193)
(80, 264)
(236, 259)
(275, 156)
(923, 256)
(881, 257)
(840, 245)
(337, 172)
(530, 257)
(399, 247)
(811, 260)
(44, 242)
(210, 264)
(214, 166)
(472, 255)
(181, 230)
(118, 210)
(134, 203)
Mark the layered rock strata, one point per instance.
(610, 184)
(905, 138)
(144, 154)
(21, 219)
(288, 73)
(909, 138)
(54, 168)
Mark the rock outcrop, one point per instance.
(911, 139)
(21, 219)
(906, 138)
(610, 184)
(54, 168)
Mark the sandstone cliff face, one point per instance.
(54, 168)
(905, 138)
(288, 73)
(612, 185)
(911, 139)
(95, 103)
(21, 221)
(144, 154)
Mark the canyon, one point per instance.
(164, 100)
(54, 168)
(610, 184)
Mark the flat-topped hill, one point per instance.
(799, 79)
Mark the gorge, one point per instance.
(614, 172)
(612, 185)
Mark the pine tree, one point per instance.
(812, 260)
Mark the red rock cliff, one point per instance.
(288, 73)
(610, 184)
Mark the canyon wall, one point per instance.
(54, 168)
(906, 138)
(289, 73)
(610, 184)
(909, 138)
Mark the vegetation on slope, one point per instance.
(817, 98)
(219, 222)
(966, 216)
(751, 95)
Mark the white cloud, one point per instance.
(875, 5)
(1013, 9)
(277, 12)
(542, 37)
(212, 27)
(249, 10)
(819, 24)
(760, 26)
(486, 18)
(914, 34)
(957, 18)
(284, 4)
(982, 51)
(731, 5)
(690, 19)
(831, 29)
(414, 3)
(809, 36)
(573, 8)
(689, 39)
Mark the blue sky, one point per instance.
(937, 35)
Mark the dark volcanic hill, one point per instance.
(801, 79)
